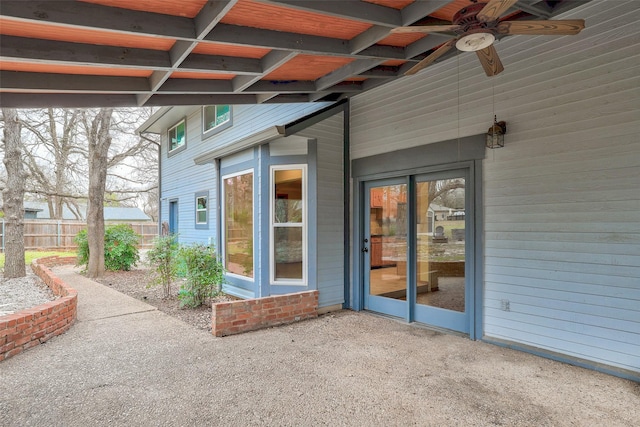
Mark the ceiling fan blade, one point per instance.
(490, 61)
(494, 9)
(429, 59)
(560, 27)
(425, 29)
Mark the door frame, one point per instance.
(463, 153)
(393, 307)
(173, 216)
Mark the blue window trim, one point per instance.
(182, 147)
(240, 286)
(207, 133)
(204, 225)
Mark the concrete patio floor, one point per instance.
(125, 363)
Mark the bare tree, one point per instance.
(99, 140)
(55, 158)
(13, 197)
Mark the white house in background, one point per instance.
(330, 196)
(40, 210)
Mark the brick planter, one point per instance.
(235, 317)
(33, 326)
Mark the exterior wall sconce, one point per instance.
(495, 134)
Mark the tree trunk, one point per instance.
(99, 142)
(13, 196)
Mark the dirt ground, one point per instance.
(135, 284)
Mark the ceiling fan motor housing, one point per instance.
(469, 24)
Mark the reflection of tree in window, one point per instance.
(215, 115)
(201, 210)
(176, 136)
(238, 211)
(288, 217)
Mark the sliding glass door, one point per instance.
(415, 247)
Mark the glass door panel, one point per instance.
(441, 289)
(385, 248)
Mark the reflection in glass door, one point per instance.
(415, 249)
(441, 252)
(386, 244)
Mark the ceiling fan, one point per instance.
(477, 26)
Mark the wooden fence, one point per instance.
(58, 235)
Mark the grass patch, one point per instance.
(29, 256)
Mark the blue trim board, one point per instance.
(558, 357)
(346, 187)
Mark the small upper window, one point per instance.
(214, 116)
(201, 209)
(177, 136)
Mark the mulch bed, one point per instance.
(135, 283)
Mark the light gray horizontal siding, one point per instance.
(562, 198)
(330, 194)
(182, 178)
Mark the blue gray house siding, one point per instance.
(560, 202)
(561, 199)
(182, 180)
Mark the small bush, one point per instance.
(163, 259)
(204, 276)
(83, 247)
(120, 247)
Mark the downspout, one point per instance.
(346, 176)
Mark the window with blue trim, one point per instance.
(215, 116)
(288, 225)
(202, 211)
(177, 136)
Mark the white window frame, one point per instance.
(181, 146)
(272, 225)
(223, 230)
(202, 195)
(217, 127)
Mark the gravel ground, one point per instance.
(23, 292)
(125, 364)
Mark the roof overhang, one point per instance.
(108, 53)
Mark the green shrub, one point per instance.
(120, 247)
(83, 247)
(204, 277)
(163, 258)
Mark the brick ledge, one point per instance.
(32, 326)
(236, 317)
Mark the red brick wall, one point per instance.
(235, 317)
(33, 326)
(448, 268)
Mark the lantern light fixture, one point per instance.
(495, 134)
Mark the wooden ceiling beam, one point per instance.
(210, 14)
(46, 51)
(380, 72)
(418, 10)
(177, 86)
(223, 64)
(368, 38)
(299, 43)
(50, 82)
(159, 99)
(95, 16)
(255, 37)
(425, 44)
(269, 62)
(370, 13)
(351, 69)
(66, 100)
